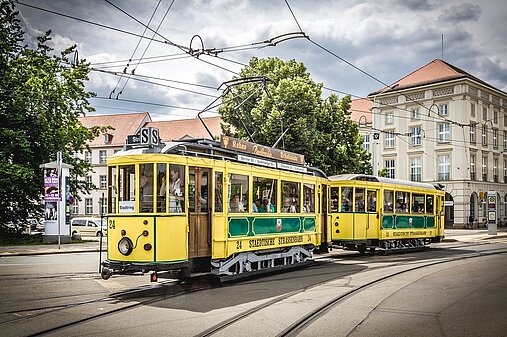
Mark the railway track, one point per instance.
(303, 322)
(153, 294)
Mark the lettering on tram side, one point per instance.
(290, 239)
(409, 233)
(255, 243)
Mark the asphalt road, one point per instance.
(63, 295)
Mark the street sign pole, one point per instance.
(59, 172)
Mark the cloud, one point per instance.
(461, 13)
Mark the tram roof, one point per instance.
(383, 180)
(202, 147)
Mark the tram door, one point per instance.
(372, 229)
(360, 216)
(199, 212)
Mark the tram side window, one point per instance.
(146, 188)
(290, 197)
(402, 202)
(346, 199)
(238, 193)
(388, 201)
(334, 194)
(176, 188)
(126, 189)
(371, 202)
(429, 204)
(417, 203)
(219, 192)
(111, 200)
(359, 200)
(161, 188)
(308, 198)
(264, 195)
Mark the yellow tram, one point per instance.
(370, 212)
(225, 208)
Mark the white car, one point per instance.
(88, 227)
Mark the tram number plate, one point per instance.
(238, 244)
(112, 224)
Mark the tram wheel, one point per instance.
(105, 273)
(361, 249)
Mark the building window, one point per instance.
(495, 170)
(495, 138)
(108, 138)
(444, 132)
(103, 182)
(389, 118)
(75, 208)
(88, 156)
(505, 140)
(415, 114)
(443, 111)
(472, 167)
(415, 169)
(103, 205)
(444, 166)
(484, 135)
(505, 120)
(484, 168)
(88, 206)
(416, 135)
(472, 109)
(484, 114)
(505, 171)
(366, 142)
(472, 133)
(389, 139)
(88, 181)
(102, 156)
(389, 165)
(495, 116)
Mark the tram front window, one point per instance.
(126, 189)
(146, 188)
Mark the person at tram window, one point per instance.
(236, 205)
(267, 206)
(288, 207)
(360, 204)
(146, 184)
(307, 208)
(416, 208)
(203, 197)
(346, 205)
(174, 191)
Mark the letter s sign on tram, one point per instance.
(149, 136)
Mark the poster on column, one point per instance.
(51, 199)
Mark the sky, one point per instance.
(353, 46)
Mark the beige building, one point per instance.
(105, 145)
(440, 124)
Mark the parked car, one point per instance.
(88, 227)
(32, 223)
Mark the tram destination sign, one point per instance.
(261, 150)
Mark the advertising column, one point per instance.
(56, 223)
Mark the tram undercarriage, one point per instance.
(235, 267)
(385, 246)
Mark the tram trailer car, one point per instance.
(369, 213)
(228, 209)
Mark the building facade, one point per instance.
(92, 204)
(440, 124)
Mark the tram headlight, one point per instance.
(125, 246)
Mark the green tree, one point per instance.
(320, 129)
(41, 99)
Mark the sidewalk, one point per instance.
(52, 249)
(463, 235)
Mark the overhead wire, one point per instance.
(149, 43)
(135, 49)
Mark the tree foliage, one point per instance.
(321, 129)
(41, 99)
